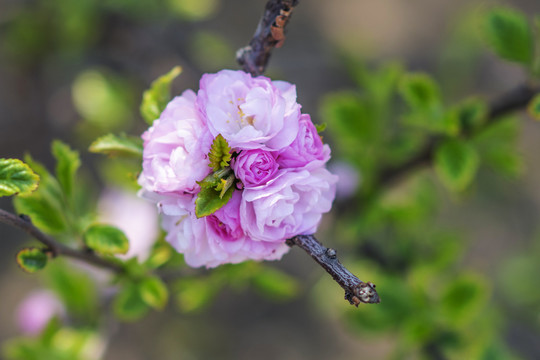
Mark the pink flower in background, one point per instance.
(281, 185)
(36, 310)
(349, 179)
(134, 216)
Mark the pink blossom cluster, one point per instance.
(278, 158)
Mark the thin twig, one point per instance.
(24, 223)
(270, 33)
(356, 291)
(516, 99)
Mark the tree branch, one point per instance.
(269, 34)
(24, 223)
(356, 291)
(516, 99)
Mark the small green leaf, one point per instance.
(117, 145)
(31, 259)
(209, 201)
(220, 153)
(534, 107)
(509, 35)
(194, 294)
(67, 164)
(106, 239)
(156, 98)
(45, 206)
(16, 178)
(154, 292)
(419, 91)
(472, 113)
(276, 284)
(464, 298)
(128, 304)
(320, 127)
(456, 163)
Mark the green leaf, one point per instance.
(118, 145)
(106, 239)
(509, 35)
(76, 288)
(534, 107)
(31, 259)
(156, 98)
(128, 304)
(320, 127)
(194, 294)
(154, 292)
(456, 163)
(220, 153)
(209, 200)
(16, 178)
(419, 91)
(45, 206)
(464, 298)
(472, 113)
(276, 284)
(67, 164)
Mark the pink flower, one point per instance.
(277, 156)
(175, 149)
(250, 113)
(255, 167)
(218, 238)
(36, 310)
(134, 216)
(306, 149)
(290, 205)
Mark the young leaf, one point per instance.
(534, 107)
(456, 163)
(31, 259)
(106, 239)
(472, 113)
(209, 200)
(220, 153)
(193, 294)
(420, 91)
(154, 292)
(128, 304)
(45, 206)
(156, 98)
(16, 178)
(320, 127)
(509, 35)
(67, 164)
(117, 145)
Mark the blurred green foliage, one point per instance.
(432, 306)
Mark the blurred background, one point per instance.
(457, 274)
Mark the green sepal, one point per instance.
(106, 239)
(456, 163)
(118, 145)
(16, 178)
(214, 193)
(156, 98)
(220, 153)
(320, 127)
(31, 259)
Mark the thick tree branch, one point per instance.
(516, 99)
(356, 291)
(269, 34)
(54, 247)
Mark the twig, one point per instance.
(356, 291)
(269, 34)
(516, 99)
(24, 223)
